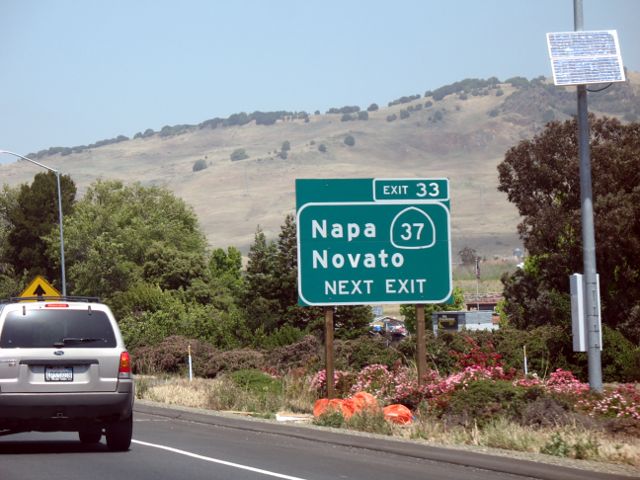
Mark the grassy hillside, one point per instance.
(462, 136)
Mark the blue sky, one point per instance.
(74, 72)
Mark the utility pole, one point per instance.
(588, 231)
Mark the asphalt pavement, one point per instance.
(184, 443)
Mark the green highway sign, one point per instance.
(373, 241)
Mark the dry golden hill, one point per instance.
(463, 137)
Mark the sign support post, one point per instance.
(328, 345)
(421, 352)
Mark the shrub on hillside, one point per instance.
(239, 154)
(322, 148)
(349, 141)
(200, 164)
(391, 118)
(363, 115)
(373, 107)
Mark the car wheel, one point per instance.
(90, 435)
(119, 435)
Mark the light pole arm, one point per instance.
(62, 264)
(29, 160)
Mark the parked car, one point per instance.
(64, 367)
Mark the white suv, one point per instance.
(64, 367)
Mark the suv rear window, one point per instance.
(57, 328)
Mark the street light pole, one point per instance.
(62, 269)
(591, 301)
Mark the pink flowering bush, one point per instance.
(620, 402)
(342, 382)
(400, 385)
(377, 380)
(564, 382)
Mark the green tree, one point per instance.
(261, 306)
(349, 141)
(10, 283)
(541, 177)
(120, 235)
(29, 218)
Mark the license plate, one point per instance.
(58, 374)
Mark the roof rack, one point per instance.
(48, 298)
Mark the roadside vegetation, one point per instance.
(142, 251)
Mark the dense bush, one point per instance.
(405, 99)
(404, 114)
(343, 110)
(392, 117)
(322, 148)
(200, 164)
(171, 356)
(481, 401)
(168, 131)
(363, 351)
(465, 85)
(305, 353)
(349, 141)
(363, 115)
(373, 107)
(238, 154)
(257, 383)
(233, 360)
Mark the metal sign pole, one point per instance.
(588, 231)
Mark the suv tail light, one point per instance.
(125, 365)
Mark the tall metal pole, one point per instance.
(60, 220)
(588, 230)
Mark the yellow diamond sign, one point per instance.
(40, 287)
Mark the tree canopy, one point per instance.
(120, 235)
(541, 177)
(27, 215)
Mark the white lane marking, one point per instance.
(215, 460)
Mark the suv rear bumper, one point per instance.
(64, 411)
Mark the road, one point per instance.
(199, 447)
